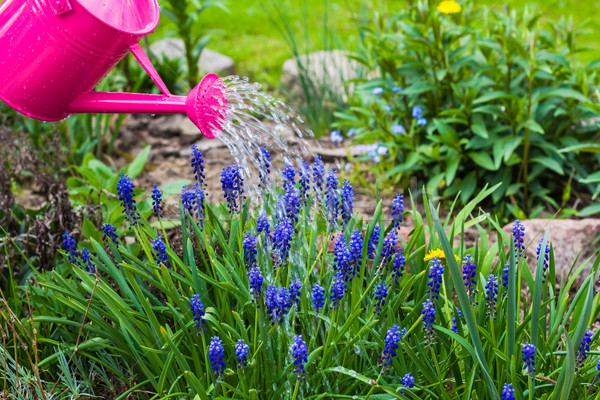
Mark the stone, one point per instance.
(210, 60)
(327, 69)
(166, 126)
(569, 238)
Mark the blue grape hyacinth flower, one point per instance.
(428, 317)
(469, 272)
(373, 242)
(241, 353)
(417, 111)
(336, 137)
(197, 163)
(109, 232)
(264, 169)
(519, 238)
(376, 91)
(398, 264)
(232, 183)
(347, 201)
(295, 291)
(397, 210)
(318, 298)
(455, 320)
(216, 353)
(282, 241)
(126, 196)
(491, 295)
(249, 246)
(256, 281)
(528, 351)
(355, 247)
(300, 354)
(508, 393)
(545, 254)
(338, 289)
(86, 259)
(262, 225)
(381, 292)
(408, 381)
(392, 341)
(157, 206)
(69, 245)
(436, 274)
(197, 309)
(288, 175)
(333, 200)
(161, 252)
(584, 347)
(318, 175)
(278, 302)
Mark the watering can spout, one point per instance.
(205, 105)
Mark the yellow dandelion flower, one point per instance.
(449, 7)
(439, 254)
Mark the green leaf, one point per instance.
(533, 126)
(137, 165)
(585, 147)
(589, 210)
(483, 160)
(478, 126)
(549, 163)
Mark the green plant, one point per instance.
(501, 101)
(132, 304)
(320, 77)
(185, 16)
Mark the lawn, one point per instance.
(249, 36)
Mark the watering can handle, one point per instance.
(143, 59)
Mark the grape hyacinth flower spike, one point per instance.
(355, 247)
(249, 246)
(518, 231)
(347, 201)
(295, 288)
(338, 289)
(584, 347)
(318, 175)
(264, 169)
(300, 354)
(408, 381)
(528, 351)
(69, 245)
(86, 259)
(197, 163)
(318, 298)
(333, 200)
(256, 281)
(508, 393)
(381, 292)
(161, 252)
(197, 309)
(373, 242)
(241, 353)
(109, 232)
(125, 191)
(392, 341)
(232, 183)
(428, 316)
(217, 356)
(304, 181)
(546, 255)
(397, 210)
(436, 274)
(157, 207)
(491, 295)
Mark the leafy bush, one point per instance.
(480, 97)
(391, 319)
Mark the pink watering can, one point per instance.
(54, 52)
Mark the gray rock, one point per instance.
(217, 63)
(327, 70)
(568, 237)
(169, 48)
(166, 126)
(210, 61)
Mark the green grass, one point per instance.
(249, 36)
